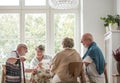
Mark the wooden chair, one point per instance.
(3, 74)
(105, 73)
(75, 69)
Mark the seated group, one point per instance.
(93, 61)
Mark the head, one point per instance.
(22, 49)
(87, 40)
(40, 51)
(68, 42)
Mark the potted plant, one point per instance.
(116, 55)
(111, 21)
(117, 19)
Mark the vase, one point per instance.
(107, 29)
(113, 27)
(118, 66)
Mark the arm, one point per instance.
(12, 60)
(54, 65)
(87, 61)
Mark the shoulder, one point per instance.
(94, 48)
(34, 59)
(57, 55)
(60, 53)
(47, 57)
(12, 55)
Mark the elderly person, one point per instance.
(39, 74)
(39, 58)
(59, 66)
(20, 51)
(13, 64)
(93, 59)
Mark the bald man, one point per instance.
(13, 65)
(93, 59)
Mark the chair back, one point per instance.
(75, 69)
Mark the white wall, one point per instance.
(118, 6)
(92, 11)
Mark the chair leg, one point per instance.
(3, 77)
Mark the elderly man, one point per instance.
(93, 59)
(13, 65)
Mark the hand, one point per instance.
(86, 63)
(29, 70)
(40, 65)
(34, 71)
(22, 59)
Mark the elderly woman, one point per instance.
(59, 66)
(40, 74)
(39, 56)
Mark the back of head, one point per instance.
(68, 42)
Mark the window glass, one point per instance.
(35, 2)
(9, 2)
(9, 26)
(64, 25)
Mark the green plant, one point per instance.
(111, 19)
(117, 19)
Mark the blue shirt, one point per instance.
(96, 55)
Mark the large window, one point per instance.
(34, 22)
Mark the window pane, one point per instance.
(35, 2)
(6, 46)
(64, 25)
(9, 26)
(9, 2)
(35, 26)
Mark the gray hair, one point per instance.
(41, 47)
(68, 42)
